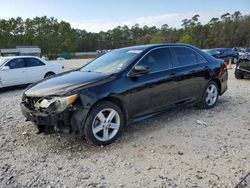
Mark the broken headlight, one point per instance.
(56, 104)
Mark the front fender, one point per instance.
(86, 101)
(78, 120)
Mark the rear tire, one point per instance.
(238, 74)
(210, 95)
(104, 123)
(49, 74)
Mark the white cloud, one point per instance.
(173, 20)
(104, 25)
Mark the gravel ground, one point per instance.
(186, 147)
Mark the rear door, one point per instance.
(193, 72)
(154, 91)
(16, 75)
(36, 69)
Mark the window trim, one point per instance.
(173, 59)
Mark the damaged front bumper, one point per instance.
(71, 120)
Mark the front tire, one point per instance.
(104, 123)
(210, 95)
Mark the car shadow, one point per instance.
(79, 147)
(13, 88)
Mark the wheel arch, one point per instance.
(50, 72)
(217, 81)
(118, 102)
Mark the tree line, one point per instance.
(53, 37)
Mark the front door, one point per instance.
(156, 90)
(16, 74)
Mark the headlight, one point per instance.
(56, 104)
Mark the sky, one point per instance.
(101, 15)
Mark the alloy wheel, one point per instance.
(49, 75)
(211, 94)
(106, 124)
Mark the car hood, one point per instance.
(63, 83)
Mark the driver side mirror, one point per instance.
(5, 68)
(140, 69)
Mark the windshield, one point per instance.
(112, 62)
(2, 61)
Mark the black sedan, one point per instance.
(127, 84)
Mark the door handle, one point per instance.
(23, 71)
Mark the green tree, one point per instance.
(230, 30)
(157, 40)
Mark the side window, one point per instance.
(33, 62)
(157, 60)
(16, 63)
(185, 56)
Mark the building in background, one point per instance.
(9, 52)
(21, 50)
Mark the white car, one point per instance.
(20, 70)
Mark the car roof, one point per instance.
(150, 46)
(221, 48)
(14, 57)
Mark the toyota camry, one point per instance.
(124, 85)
